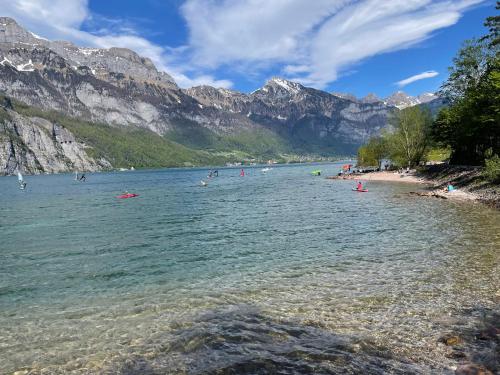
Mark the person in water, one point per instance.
(82, 177)
(216, 173)
(359, 186)
(22, 185)
(242, 173)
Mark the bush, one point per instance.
(492, 168)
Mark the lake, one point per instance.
(277, 272)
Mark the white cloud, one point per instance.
(252, 30)
(417, 77)
(63, 20)
(312, 41)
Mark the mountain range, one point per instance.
(399, 99)
(65, 107)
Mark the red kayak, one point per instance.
(360, 191)
(129, 195)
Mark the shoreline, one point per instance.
(434, 179)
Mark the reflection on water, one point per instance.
(278, 272)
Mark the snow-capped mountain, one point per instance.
(399, 99)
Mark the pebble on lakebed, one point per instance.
(451, 340)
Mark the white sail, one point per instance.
(19, 176)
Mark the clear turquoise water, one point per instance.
(278, 272)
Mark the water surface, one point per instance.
(276, 272)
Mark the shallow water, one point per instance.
(277, 272)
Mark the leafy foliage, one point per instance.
(373, 152)
(492, 168)
(438, 154)
(469, 66)
(409, 142)
(471, 125)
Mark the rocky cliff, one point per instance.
(36, 145)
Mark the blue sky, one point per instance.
(354, 46)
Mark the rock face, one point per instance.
(312, 120)
(120, 88)
(35, 145)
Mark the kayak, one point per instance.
(129, 195)
(360, 191)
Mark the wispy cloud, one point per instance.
(312, 41)
(417, 77)
(63, 20)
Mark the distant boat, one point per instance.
(316, 172)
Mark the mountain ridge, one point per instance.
(398, 99)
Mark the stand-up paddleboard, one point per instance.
(128, 195)
(360, 191)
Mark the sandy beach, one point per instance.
(387, 176)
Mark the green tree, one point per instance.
(409, 141)
(469, 66)
(471, 125)
(373, 152)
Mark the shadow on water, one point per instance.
(243, 340)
